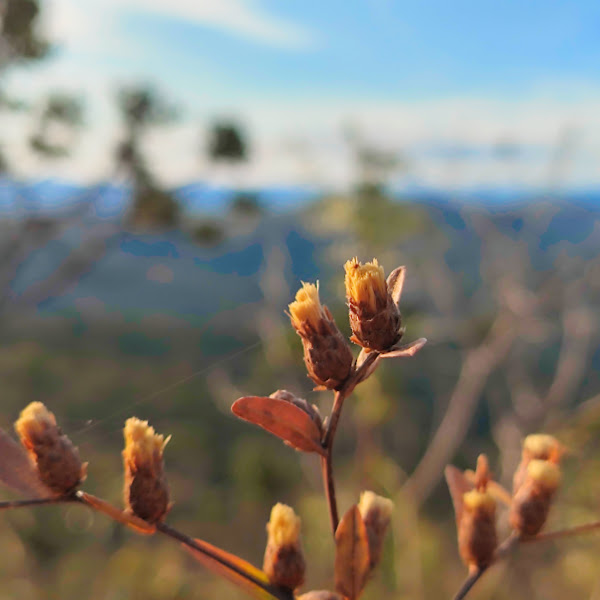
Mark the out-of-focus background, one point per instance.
(171, 172)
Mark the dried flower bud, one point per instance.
(327, 354)
(146, 492)
(374, 315)
(538, 446)
(57, 460)
(284, 562)
(376, 513)
(531, 502)
(477, 529)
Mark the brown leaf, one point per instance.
(395, 283)
(458, 485)
(364, 353)
(232, 567)
(311, 410)
(17, 471)
(351, 555)
(281, 418)
(406, 350)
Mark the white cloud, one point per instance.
(86, 23)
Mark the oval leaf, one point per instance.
(282, 419)
(17, 471)
(395, 283)
(351, 555)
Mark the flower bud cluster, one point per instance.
(374, 316)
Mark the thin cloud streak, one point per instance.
(76, 24)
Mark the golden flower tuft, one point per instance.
(56, 459)
(327, 354)
(366, 284)
(284, 562)
(146, 492)
(374, 315)
(306, 310)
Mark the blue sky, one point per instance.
(408, 75)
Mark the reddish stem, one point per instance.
(329, 437)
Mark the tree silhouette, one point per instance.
(142, 108)
(19, 37)
(60, 118)
(227, 143)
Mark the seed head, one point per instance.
(284, 561)
(476, 520)
(376, 513)
(327, 354)
(532, 501)
(374, 316)
(57, 460)
(146, 492)
(477, 538)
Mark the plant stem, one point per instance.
(329, 437)
(561, 533)
(36, 502)
(503, 549)
(198, 546)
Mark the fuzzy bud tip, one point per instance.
(545, 473)
(370, 503)
(540, 445)
(143, 446)
(306, 308)
(33, 421)
(365, 284)
(283, 526)
(476, 500)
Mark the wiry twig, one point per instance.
(562, 533)
(503, 549)
(515, 539)
(37, 502)
(477, 367)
